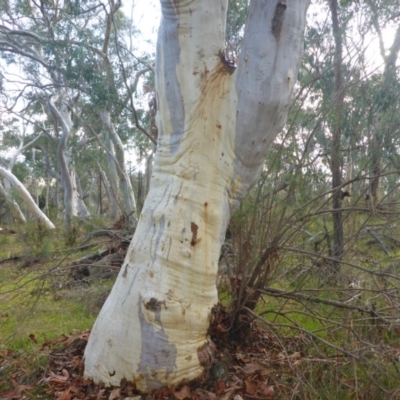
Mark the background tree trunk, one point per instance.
(14, 207)
(336, 157)
(73, 204)
(129, 203)
(30, 203)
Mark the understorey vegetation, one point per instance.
(299, 327)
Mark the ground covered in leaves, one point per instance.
(252, 368)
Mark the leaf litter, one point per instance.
(255, 368)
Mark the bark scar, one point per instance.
(277, 21)
(228, 62)
(194, 228)
(154, 305)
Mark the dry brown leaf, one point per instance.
(33, 338)
(57, 379)
(242, 357)
(251, 368)
(251, 387)
(295, 356)
(66, 395)
(219, 387)
(18, 391)
(268, 392)
(77, 361)
(183, 393)
(100, 394)
(202, 394)
(115, 394)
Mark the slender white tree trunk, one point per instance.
(129, 203)
(73, 204)
(112, 207)
(78, 206)
(215, 125)
(15, 209)
(113, 181)
(25, 195)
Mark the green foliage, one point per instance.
(21, 171)
(236, 18)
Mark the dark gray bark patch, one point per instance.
(168, 39)
(157, 353)
(277, 21)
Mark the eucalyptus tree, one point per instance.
(15, 143)
(32, 207)
(216, 122)
(29, 38)
(338, 96)
(335, 93)
(386, 99)
(110, 82)
(75, 62)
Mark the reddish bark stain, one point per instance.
(194, 228)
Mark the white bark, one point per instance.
(114, 203)
(112, 206)
(215, 128)
(73, 204)
(25, 195)
(129, 203)
(148, 173)
(15, 210)
(78, 205)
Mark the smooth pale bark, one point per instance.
(14, 207)
(148, 173)
(25, 195)
(79, 208)
(129, 203)
(111, 211)
(215, 128)
(73, 204)
(113, 181)
(9, 167)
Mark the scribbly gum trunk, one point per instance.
(157, 315)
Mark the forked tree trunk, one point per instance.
(215, 126)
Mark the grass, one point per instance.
(34, 296)
(29, 306)
(37, 304)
